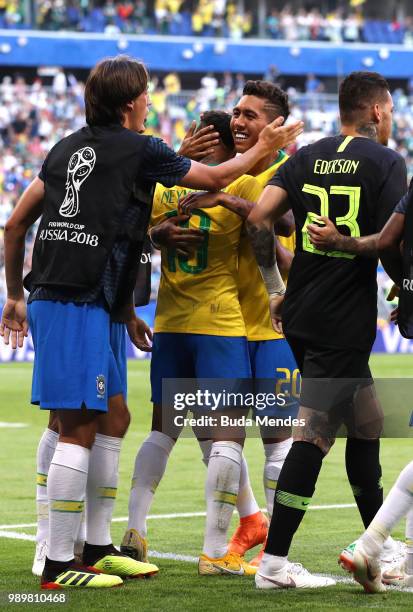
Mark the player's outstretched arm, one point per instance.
(389, 246)
(214, 178)
(328, 238)
(29, 208)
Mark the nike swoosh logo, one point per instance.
(239, 572)
(305, 504)
(291, 584)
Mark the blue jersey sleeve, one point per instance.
(162, 165)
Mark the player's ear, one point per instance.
(376, 113)
(129, 106)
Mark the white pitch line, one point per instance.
(154, 554)
(15, 535)
(177, 515)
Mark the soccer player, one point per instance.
(270, 355)
(364, 563)
(330, 308)
(199, 332)
(94, 193)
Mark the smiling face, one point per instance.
(249, 117)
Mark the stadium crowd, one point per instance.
(206, 18)
(34, 117)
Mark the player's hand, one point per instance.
(169, 234)
(140, 334)
(276, 136)
(325, 238)
(14, 323)
(393, 293)
(275, 313)
(394, 316)
(198, 199)
(197, 145)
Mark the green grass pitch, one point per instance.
(322, 534)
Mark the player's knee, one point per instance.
(324, 443)
(80, 437)
(53, 421)
(78, 426)
(372, 430)
(121, 422)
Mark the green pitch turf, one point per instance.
(320, 539)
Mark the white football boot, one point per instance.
(291, 576)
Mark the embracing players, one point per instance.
(269, 353)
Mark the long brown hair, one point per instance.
(111, 84)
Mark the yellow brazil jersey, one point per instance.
(200, 295)
(253, 295)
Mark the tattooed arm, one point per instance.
(260, 226)
(271, 206)
(328, 238)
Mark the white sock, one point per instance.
(102, 486)
(66, 488)
(396, 505)
(45, 452)
(409, 543)
(150, 465)
(221, 490)
(80, 538)
(246, 502)
(271, 563)
(275, 455)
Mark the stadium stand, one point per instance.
(206, 18)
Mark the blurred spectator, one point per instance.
(272, 75)
(172, 83)
(313, 85)
(273, 25)
(59, 83)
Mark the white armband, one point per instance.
(272, 281)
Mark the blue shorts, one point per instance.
(272, 361)
(80, 355)
(177, 355)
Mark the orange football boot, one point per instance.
(251, 531)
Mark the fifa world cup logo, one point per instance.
(79, 168)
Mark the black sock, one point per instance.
(54, 568)
(94, 552)
(295, 488)
(364, 475)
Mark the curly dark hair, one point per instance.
(221, 122)
(278, 103)
(358, 91)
